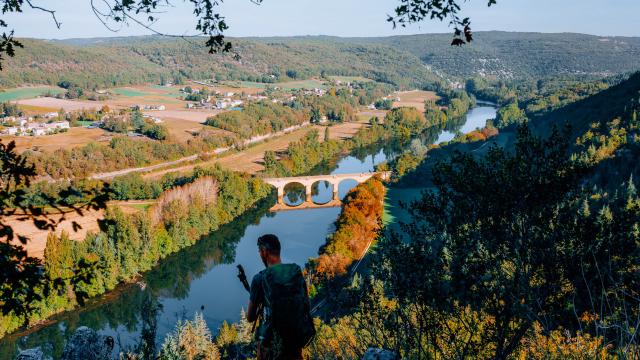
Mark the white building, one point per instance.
(11, 130)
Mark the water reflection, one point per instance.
(321, 192)
(294, 194)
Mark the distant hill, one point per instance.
(406, 61)
(516, 55)
(122, 61)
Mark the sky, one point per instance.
(341, 18)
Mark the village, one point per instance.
(33, 126)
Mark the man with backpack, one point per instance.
(278, 296)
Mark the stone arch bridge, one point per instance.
(308, 181)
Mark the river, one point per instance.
(203, 279)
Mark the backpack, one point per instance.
(285, 294)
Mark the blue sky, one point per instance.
(344, 18)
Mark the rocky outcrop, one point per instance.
(88, 344)
(380, 354)
(84, 344)
(32, 354)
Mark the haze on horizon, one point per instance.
(353, 18)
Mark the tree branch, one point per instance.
(52, 12)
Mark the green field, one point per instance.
(128, 92)
(85, 122)
(28, 92)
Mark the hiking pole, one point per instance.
(243, 278)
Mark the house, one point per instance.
(57, 125)
(12, 130)
(50, 115)
(38, 131)
(222, 104)
(229, 94)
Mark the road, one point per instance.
(253, 140)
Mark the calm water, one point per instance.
(202, 278)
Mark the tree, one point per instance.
(413, 11)
(137, 121)
(315, 116)
(20, 275)
(510, 115)
(502, 235)
(327, 136)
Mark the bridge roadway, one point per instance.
(308, 181)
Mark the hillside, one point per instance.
(122, 61)
(406, 61)
(515, 55)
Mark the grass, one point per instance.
(140, 207)
(393, 213)
(85, 122)
(28, 92)
(128, 92)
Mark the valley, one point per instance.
(518, 145)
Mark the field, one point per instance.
(193, 116)
(414, 98)
(76, 136)
(28, 92)
(67, 105)
(289, 85)
(38, 238)
(182, 129)
(350, 78)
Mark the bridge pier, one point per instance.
(307, 190)
(280, 195)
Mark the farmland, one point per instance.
(28, 92)
(76, 136)
(414, 98)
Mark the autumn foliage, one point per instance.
(356, 227)
(202, 191)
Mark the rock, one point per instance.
(32, 354)
(380, 354)
(88, 344)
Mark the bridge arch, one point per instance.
(295, 194)
(320, 186)
(307, 181)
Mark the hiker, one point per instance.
(278, 295)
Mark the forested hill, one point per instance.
(121, 61)
(406, 61)
(516, 55)
(602, 107)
